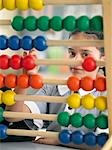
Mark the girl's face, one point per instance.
(79, 53)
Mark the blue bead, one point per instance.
(90, 139)
(65, 137)
(3, 42)
(102, 138)
(3, 130)
(77, 137)
(14, 42)
(26, 43)
(40, 43)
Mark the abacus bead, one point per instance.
(83, 23)
(43, 23)
(9, 5)
(28, 62)
(1, 4)
(1, 114)
(76, 120)
(102, 121)
(36, 4)
(23, 81)
(3, 42)
(22, 5)
(4, 62)
(40, 43)
(8, 97)
(3, 131)
(17, 23)
(88, 101)
(87, 83)
(14, 42)
(90, 139)
(96, 23)
(77, 137)
(89, 64)
(30, 23)
(26, 43)
(102, 139)
(56, 23)
(63, 119)
(36, 81)
(89, 121)
(10, 81)
(1, 80)
(15, 62)
(1, 96)
(65, 137)
(73, 83)
(101, 103)
(74, 100)
(69, 23)
(100, 83)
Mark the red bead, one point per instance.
(4, 62)
(87, 83)
(10, 81)
(15, 62)
(100, 83)
(89, 64)
(36, 81)
(23, 81)
(73, 83)
(2, 81)
(28, 62)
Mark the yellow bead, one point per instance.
(1, 97)
(22, 5)
(9, 4)
(8, 97)
(74, 100)
(1, 4)
(87, 101)
(36, 4)
(101, 103)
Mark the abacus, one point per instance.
(36, 81)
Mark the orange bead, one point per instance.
(10, 81)
(100, 83)
(2, 81)
(87, 83)
(36, 81)
(73, 83)
(23, 81)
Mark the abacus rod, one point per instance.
(108, 144)
(5, 22)
(31, 133)
(50, 117)
(72, 2)
(53, 99)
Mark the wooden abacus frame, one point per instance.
(107, 17)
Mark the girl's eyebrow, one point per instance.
(70, 49)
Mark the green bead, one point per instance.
(69, 23)
(96, 23)
(89, 121)
(83, 23)
(43, 23)
(76, 120)
(1, 114)
(63, 119)
(102, 121)
(30, 23)
(18, 23)
(56, 23)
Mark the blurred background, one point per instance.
(51, 52)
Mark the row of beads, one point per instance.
(21, 5)
(26, 43)
(56, 23)
(79, 137)
(88, 101)
(73, 102)
(77, 120)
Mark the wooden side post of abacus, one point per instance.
(107, 18)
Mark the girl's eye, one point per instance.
(85, 54)
(72, 54)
